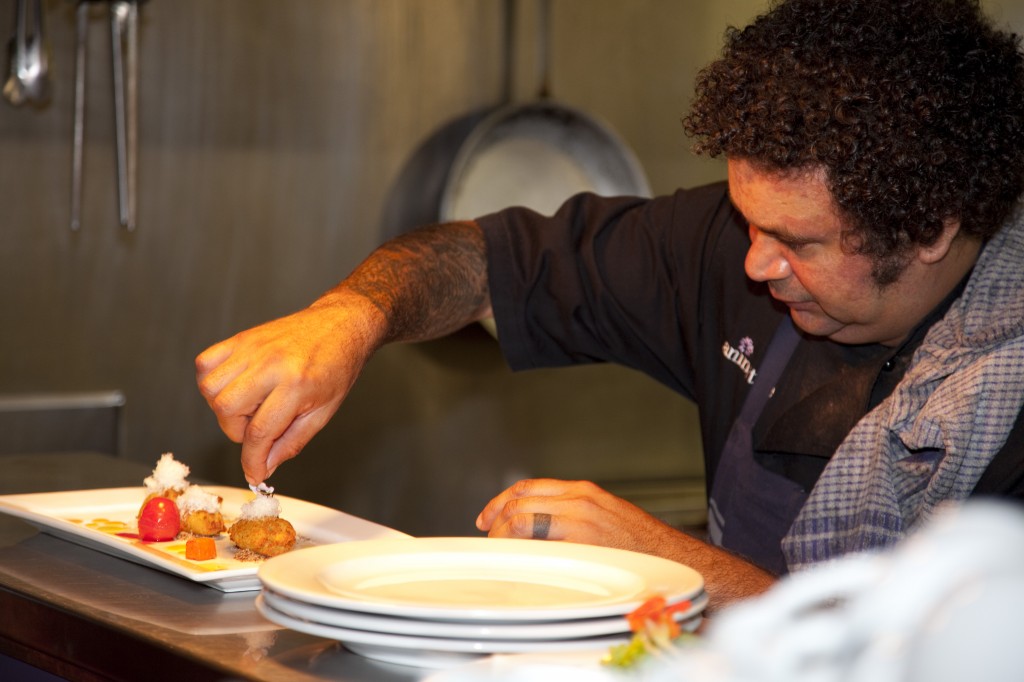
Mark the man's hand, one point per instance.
(275, 386)
(582, 512)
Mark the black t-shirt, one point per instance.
(658, 285)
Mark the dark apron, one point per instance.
(751, 508)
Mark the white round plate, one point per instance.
(427, 652)
(572, 666)
(569, 629)
(477, 579)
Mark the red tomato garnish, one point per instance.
(656, 611)
(159, 520)
(649, 610)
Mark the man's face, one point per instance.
(796, 248)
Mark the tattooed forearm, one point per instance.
(428, 282)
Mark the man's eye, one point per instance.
(793, 245)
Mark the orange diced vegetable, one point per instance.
(654, 628)
(200, 549)
(656, 611)
(649, 610)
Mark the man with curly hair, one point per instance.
(847, 311)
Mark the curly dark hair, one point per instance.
(915, 109)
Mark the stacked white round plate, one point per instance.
(437, 602)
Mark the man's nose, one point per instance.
(765, 260)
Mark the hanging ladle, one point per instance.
(28, 78)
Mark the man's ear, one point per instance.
(939, 249)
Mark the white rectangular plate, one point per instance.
(95, 517)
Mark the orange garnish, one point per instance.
(649, 610)
(656, 610)
(654, 630)
(200, 549)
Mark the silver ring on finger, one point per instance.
(541, 526)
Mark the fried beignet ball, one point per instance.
(268, 536)
(203, 523)
(261, 529)
(200, 512)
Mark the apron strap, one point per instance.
(750, 508)
(780, 349)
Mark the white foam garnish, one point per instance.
(169, 474)
(260, 507)
(196, 499)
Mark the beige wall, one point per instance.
(280, 142)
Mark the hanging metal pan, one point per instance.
(537, 154)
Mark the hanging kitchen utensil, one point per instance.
(124, 56)
(36, 75)
(124, 39)
(537, 154)
(14, 90)
(28, 78)
(78, 130)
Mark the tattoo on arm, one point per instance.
(428, 282)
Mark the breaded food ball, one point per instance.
(261, 529)
(268, 536)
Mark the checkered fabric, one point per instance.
(931, 440)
